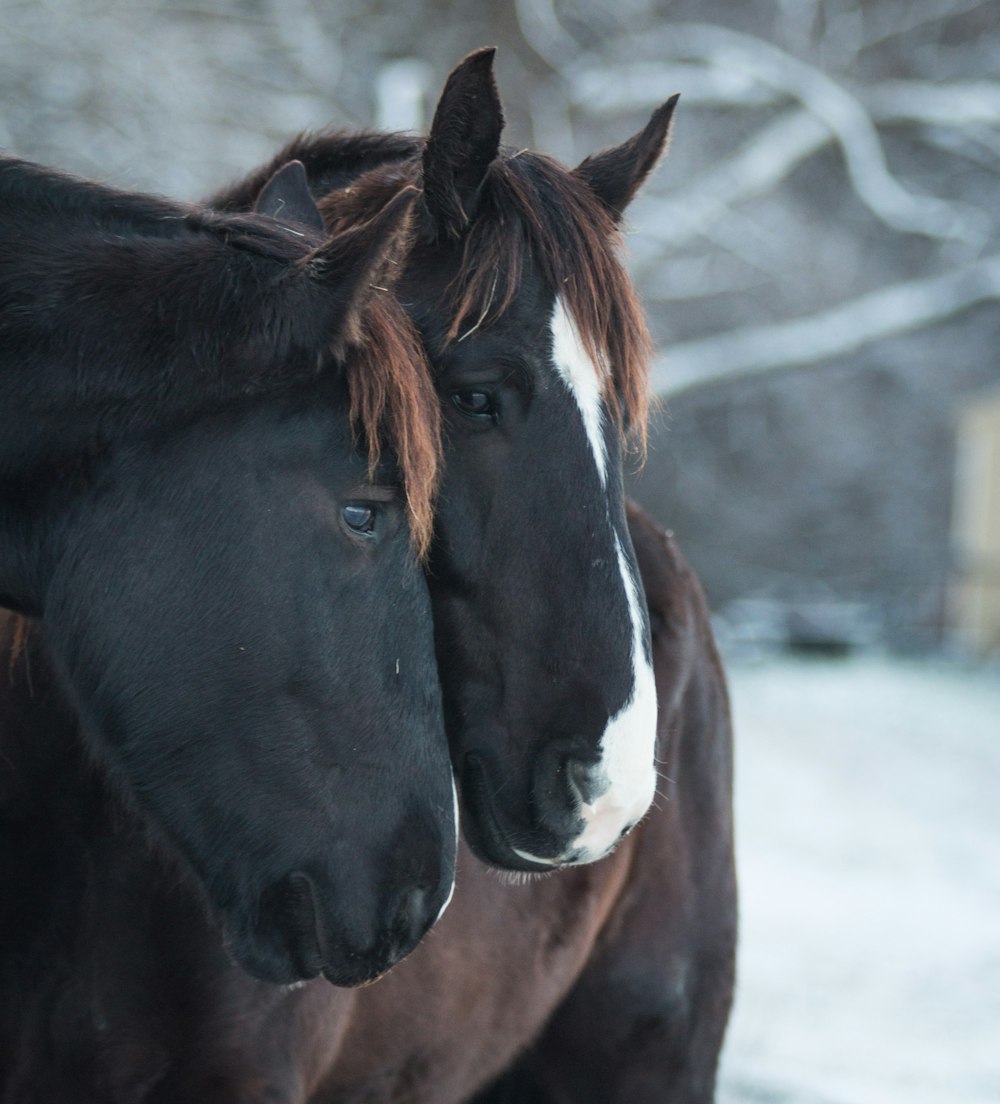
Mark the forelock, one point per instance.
(394, 404)
(532, 207)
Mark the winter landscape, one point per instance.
(869, 858)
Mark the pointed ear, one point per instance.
(347, 270)
(464, 140)
(286, 198)
(616, 174)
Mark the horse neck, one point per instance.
(691, 686)
(332, 160)
(34, 193)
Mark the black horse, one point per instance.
(540, 355)
(608, 983)
(235, 607)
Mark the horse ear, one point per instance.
(286, 198)
(353, 264)
(616, 174)
(464, 140)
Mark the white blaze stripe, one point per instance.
(625, 775)
(451, 892)
(577, 369)
(628, 746)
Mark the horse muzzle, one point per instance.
(295, 938)
(576, 813)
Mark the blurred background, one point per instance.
(820, 262)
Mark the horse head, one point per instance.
(235, 604)
(542, 631)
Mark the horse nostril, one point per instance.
(296, 914)
(563, 785)
(411, 920)
(579, 781)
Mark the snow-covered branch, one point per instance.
(836, 109)
(843, 329)
(955, 104)
(755, 169)
(761, 164)
(612, 89)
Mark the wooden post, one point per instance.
(976, 527)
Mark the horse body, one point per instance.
(605, 982)
(608, 982)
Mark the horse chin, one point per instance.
(488, 839)
(492, 851)
(354, 979)
(295, 947)
(265, 963)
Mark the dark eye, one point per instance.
(359, 518)
(476, 404)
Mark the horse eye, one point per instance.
(477, 404)
(359, 518)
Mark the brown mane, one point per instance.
(393, 402)
(532, 205)
(573, 238)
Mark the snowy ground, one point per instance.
(868, 812)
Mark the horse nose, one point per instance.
(563, 785)
(581, 782)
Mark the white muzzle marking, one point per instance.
(625, 775)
